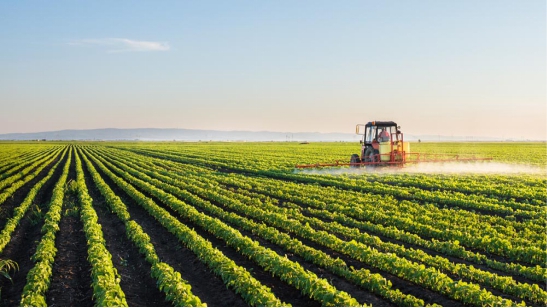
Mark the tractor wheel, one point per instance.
(354, 159)
(370, 155)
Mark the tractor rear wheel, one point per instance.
(355, 160)
(370, 155)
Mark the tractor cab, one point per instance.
(381, 139)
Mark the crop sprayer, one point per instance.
(383, 145)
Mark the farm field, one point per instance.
(234, 224)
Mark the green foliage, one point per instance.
(21, 210)
(39, 277)
(264, 186)
(107, 291)
(170, 282)
(6, 266)
(464, 236)
(36, 215)
(72, 188)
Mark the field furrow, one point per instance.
(234, 224)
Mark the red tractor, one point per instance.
(382, 144)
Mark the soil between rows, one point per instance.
(6, 208)
(404, 286)
(17, 169)
(71, 273)
(429, 251)
(433, 253)
(25, 238)
(136, 281)
(360, 294)
(205, 284)
(518, 278)
(342, 284)
(222, 169)
(8, 165)
(282, 290)
(398, 283)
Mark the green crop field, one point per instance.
(235, 224)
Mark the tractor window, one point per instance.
(392, 130)
(389, 129)
(370, 134)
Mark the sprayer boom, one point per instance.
(408, 158)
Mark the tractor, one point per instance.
(382, 144)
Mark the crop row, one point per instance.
(280, 220)
(292, 273)
(438, 198)
(465, 227)
(234, 276)
(500, 239)
(17, 166)
(362, 277)
(423, 220)
(168, 280)
(523, 189)
(38, 278)
(24, 176)
(105, 278)
(383, 191)
(414, 188)
(19, 161)
(20, 211)
(450, 248)
(497, 191)
(527, 191)
(319, 199)
(504, 284)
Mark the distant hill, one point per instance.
(161, 134)
(170, 134)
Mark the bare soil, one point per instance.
(71, 273)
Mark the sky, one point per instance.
(451, 68)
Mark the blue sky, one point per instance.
(436, 67)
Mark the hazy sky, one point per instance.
(436, 67)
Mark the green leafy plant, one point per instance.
(36, 215)
(71, 188)
(6, 266)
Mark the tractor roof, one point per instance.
(381, 123)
